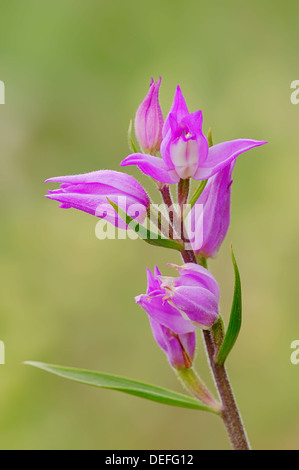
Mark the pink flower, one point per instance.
(88, 192)
(182, 304)
(185, 150)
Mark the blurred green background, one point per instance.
(75, 72)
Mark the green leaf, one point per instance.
(210, 138)
(144, 233)
(131, 143)
(197, 192)
(235, 320)
(122, 384)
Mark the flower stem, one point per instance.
(229, 412)
(167, 198)
(197, 388)
(183, 193)
(188, 256)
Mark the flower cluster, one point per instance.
(184, 149)
(173, 152)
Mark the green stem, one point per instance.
(197, 388)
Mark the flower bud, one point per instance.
(149, 120)
(88, 192)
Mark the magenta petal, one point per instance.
(178, 108)
(193, 121)
(102, 182)
(151, 166)
(188, 341)
(179, 349)
(83, 202)
(194, 274)
(164, 313)
(222, 154)
(88, 192)
(100, 176)
(157, 271)
(198, 303)
(100, 207)
(212, 227)
(153, 283)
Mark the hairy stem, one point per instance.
(229, 412)
(188, 256)
(166, 196)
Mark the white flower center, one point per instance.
(185, 155)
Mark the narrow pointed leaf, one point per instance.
(145, 234)
(197, 192)
(210, 138)
(235, 320)
(131, 143)
(122, 384)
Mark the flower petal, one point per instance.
(103, 182)
(222, 154)
(178, 108)
(179, 349)
(153, 283)
(210, 229)
(198, 303)
(151, 166)
(193, 122)
(100, 207)
(164, 313)
(192, 274)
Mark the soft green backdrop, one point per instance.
(75, 72)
